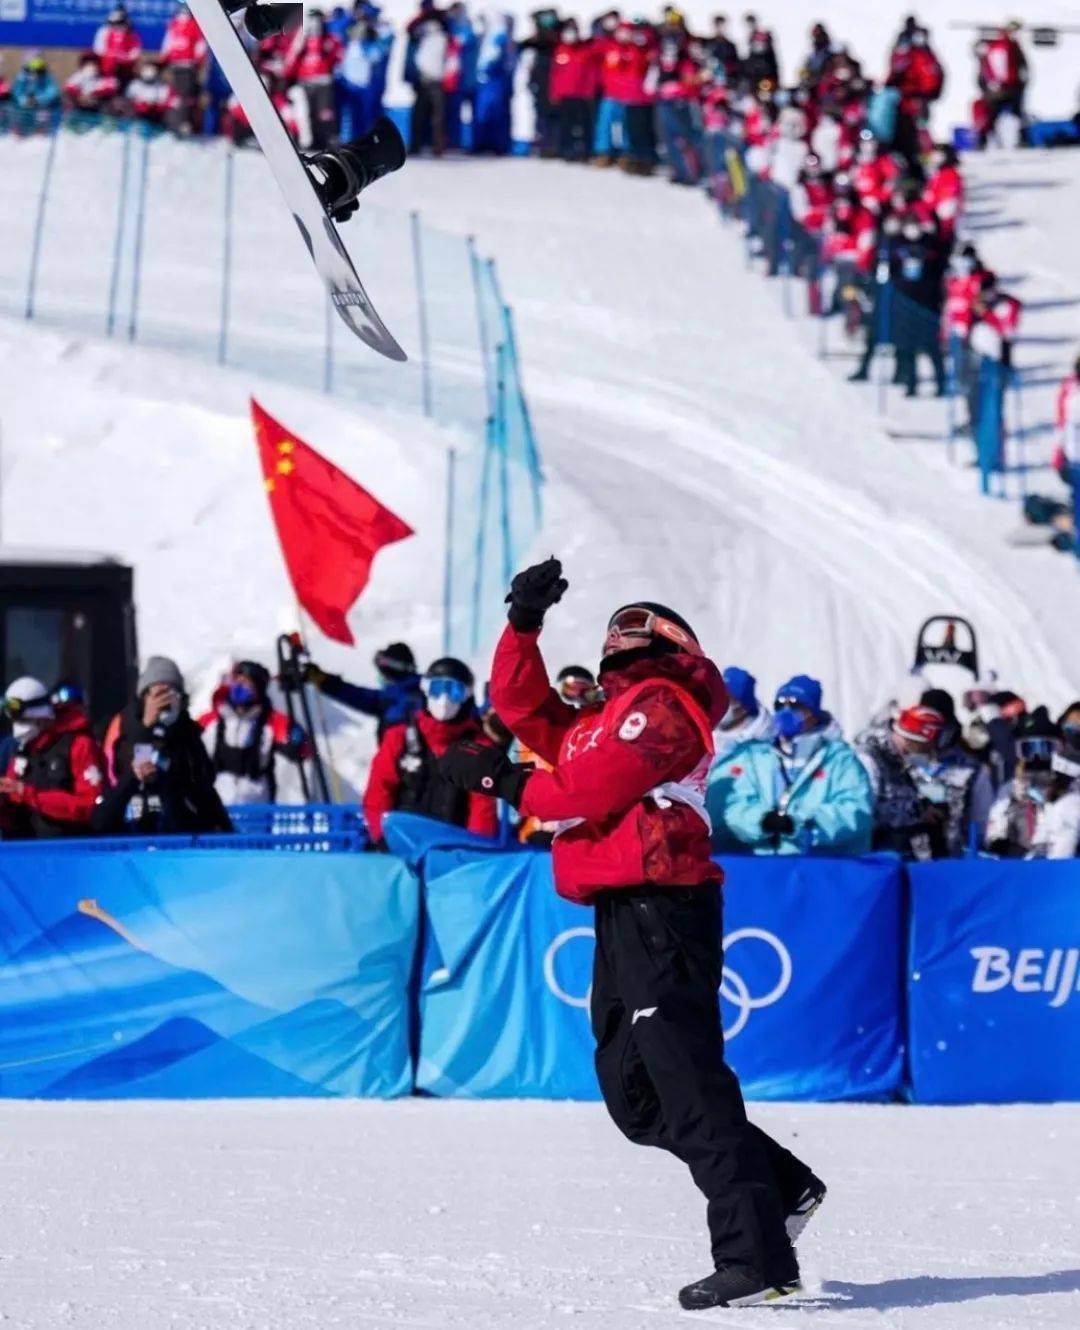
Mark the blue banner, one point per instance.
(74, 22)
(994, 982)
(811, 996)
(195, 973)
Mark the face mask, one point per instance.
(25, 730)
(170, 716)
(241, 694)
(789, 722)
(443, 708)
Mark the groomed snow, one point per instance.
(513, 1216)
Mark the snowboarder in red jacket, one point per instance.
(627, 782)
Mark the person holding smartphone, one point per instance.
(163, 776)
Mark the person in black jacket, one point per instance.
(164, 778)
(397, 699)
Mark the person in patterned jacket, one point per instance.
(627, 783)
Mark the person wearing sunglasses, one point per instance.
(626, 784)
(1037, 814)
(806, 792)
(405, 774)
(56, 771)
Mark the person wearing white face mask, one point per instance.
(56, 771)
(164, 778)
(405, 775)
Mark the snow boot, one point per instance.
(804, 1209)
(341, 173)
(733, 1286)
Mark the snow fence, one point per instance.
(450, 967)
(186, 246)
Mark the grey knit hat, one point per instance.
(160, 669)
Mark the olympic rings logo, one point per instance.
(733, 987)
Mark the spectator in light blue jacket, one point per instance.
(34, 88)
(806, 792)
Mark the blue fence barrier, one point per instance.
(187, 975)
(994, 981)
(811, 997)
(188, 972)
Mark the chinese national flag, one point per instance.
(330, 527)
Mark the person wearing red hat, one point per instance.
(627, 783)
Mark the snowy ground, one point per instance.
(491, 1216)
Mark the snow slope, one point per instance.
(287, 1215)
(698, 451)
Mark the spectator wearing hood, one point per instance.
(1037, 814)
(55, 771)
(405, 773)
(746, 718)
(183, 54)
(164, 778)
(806, 792)
(398, 696)
(245, 736)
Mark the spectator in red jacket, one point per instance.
(57, 772)
(88, 89)
(183, 52)
(995, 320)
(944, 192)
(118, 45)
(573, 86)
(1003, 78)
(405, 775)
(237, 125)
(313, 57)
(677, 92)
(1067, 424)
(628, 783)
(633, 89)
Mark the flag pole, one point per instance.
(320, 713)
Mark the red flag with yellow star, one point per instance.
(330, 528)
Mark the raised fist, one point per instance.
(533, 592)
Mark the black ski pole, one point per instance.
(296, 661)
(288, 684)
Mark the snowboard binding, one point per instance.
(264, 21)
(340, 174)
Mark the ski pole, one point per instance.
(39, 223)
(118, 244)
(286, 681)
(298, 658)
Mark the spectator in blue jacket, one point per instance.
(395, 701)
(362, 75)
(35, 89)
(496, 58)
(806, 792)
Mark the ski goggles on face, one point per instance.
(454, 689)
(576, 690)
(636, 621)
(16, 707)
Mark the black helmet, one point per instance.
(395, 660)
(661, 630)
(449, 667)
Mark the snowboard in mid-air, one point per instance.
(319, 188)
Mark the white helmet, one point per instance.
(28, 699)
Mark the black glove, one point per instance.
(778, 824)
(534, 591)
(471, 765)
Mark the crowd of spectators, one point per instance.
(926, 778)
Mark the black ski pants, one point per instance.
(428, 118)
(660, 1063)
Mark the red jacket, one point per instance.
(118, 47)
(184, 43)
(960, 292)
(917, 74)
(384, 779)
(1003, 65)
(313, 58)
(626, 67)
(83, 775)
(944, 194)
(575, 71)
(1067, 423)
(628, 775)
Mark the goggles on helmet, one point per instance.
(15, 707)
(1036, 749)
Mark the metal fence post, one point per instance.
(118, 243)
(421, 299)
(328, 349)
(39, 222)
(485, 332)
(504, 478)
(226, 259)
(448, 559)
(140, 220)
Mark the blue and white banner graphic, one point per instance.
(74, 22)
(810, 1000)
(994, 981)
(196, 973)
